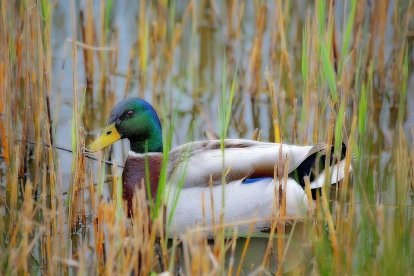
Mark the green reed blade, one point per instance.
(305, 61)
(338, 129)
(347, 35)
(362, 110)
(328, 70)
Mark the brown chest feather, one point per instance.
(134, 177)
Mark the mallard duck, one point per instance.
(195, 171)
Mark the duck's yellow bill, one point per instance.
(107, 138)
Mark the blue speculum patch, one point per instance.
(254, 180)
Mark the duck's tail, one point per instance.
(314, 167)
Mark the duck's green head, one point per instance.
(136, 120)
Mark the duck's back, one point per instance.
(194, 164)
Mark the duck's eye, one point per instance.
(130, 113)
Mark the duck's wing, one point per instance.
(199, 163)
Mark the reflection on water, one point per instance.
(298, 258)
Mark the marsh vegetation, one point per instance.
(281, 71)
